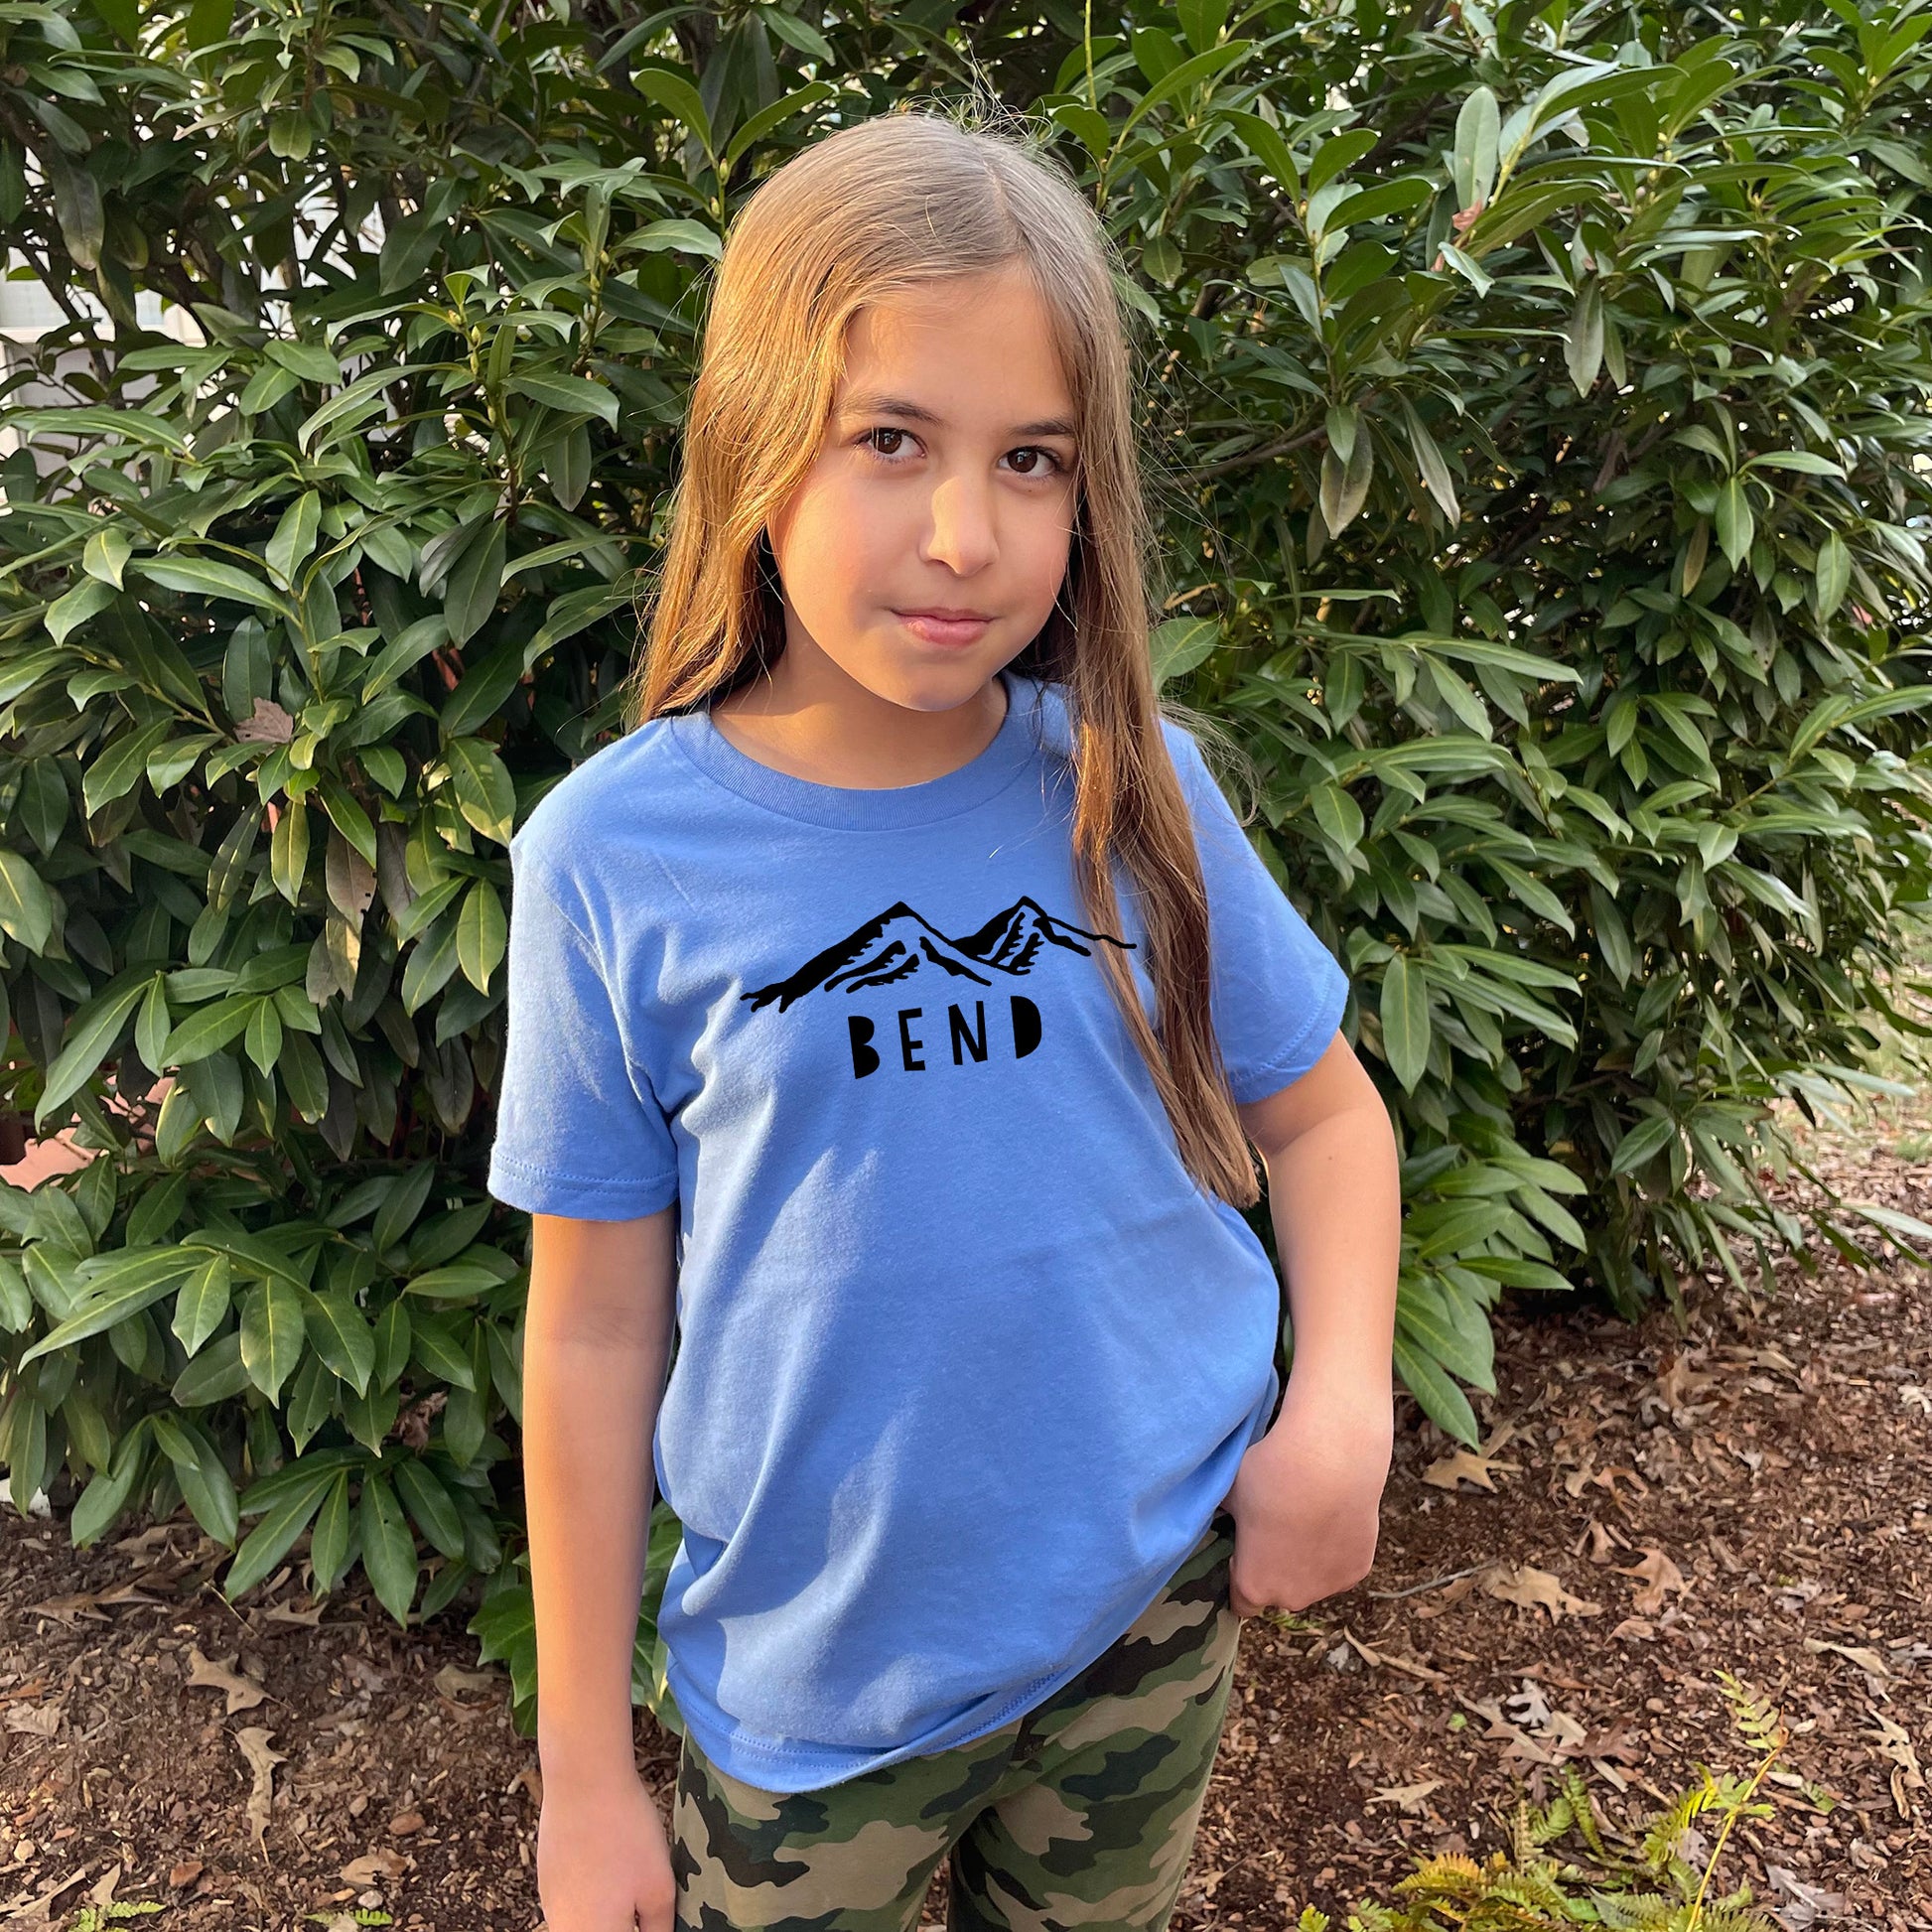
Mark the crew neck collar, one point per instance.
(866, 808)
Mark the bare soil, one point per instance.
(1651, 1505)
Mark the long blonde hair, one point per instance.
(863, 213)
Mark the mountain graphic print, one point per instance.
(899, 943)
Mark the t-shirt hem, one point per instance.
(751, 1759)
(1256, 1082)
(542, 1190)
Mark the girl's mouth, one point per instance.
(938, 627)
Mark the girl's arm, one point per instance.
(1307, 1494)
(595, 1341)
(1335, 1199)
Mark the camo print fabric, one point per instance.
(1081, 1813)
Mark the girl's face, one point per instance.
(926, 544)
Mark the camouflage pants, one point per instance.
(1081, 1813)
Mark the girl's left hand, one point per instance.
(1306, 1498)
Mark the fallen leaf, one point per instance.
(405, 1822)
(1895, 1745)
(184, 1873)
(374, 1867)
(1409, 1797)
(1809, 1904)
(214, 1674)
(452, 1680)
(267, 724)
(153, 1538)
(1616, 1742)
(65, 1609)
(1466, 1465)
(130, 1592)
(1659, 1574)
(1866, 1659)
(254, 1745)
(36, 1911)
(1532, 1589)
(1393, 1662)
(36, 1719)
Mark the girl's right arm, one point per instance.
(595, 1341)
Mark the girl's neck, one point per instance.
(836, 732)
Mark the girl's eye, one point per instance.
(1031, 450)
(1031, 455)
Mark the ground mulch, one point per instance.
(1651, 1505)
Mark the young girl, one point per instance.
(891, 1012)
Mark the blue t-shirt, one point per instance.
(966, 1359)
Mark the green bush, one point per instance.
(1537, 406)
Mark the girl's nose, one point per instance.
(961, 533)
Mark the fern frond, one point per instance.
(1576, 1791)
(1455, 1873)
(1754, 1713)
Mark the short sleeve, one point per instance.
(1278, 993)
(578, 1130)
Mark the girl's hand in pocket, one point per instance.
(603, 1858)
(1306, 1499)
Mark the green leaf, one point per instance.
(388, 1549)
(482, 935)
(766, 118)
(130, 1283)
(462, 1281)
(204, 577)
(207, 1030)
(1734, 523)
(571, 395)
(1344, 484)
(429, 1505)
(397, 1215)
(68, 612)
(1583, 338)
(309, 361)
(342, 1337)
(272, 1334)
(1478, 127)
(1649, 1137)
(484, 791)
(1179, 645)
(475, 580)
(214, 1375)
(92, 1031)
(104, 1498)
(206, 1484)
(119, 768)
(295, 537)
(1442, 1401)
(1206, 67)
(674, 91)
(1456, 1338)
(1338, 815)
(26, 905)
(274, 1536)
(1834, 574)
(202, 1304)
(1405, 1019)
(287, 848)
(1436, 476)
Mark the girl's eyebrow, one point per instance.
(875, 405)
